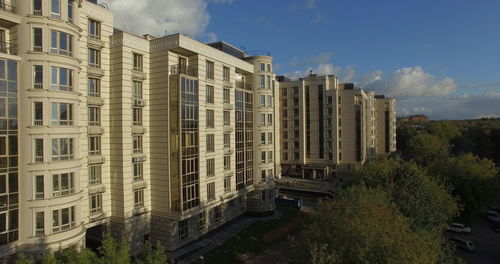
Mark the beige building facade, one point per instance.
(327, 127)
(152, 138)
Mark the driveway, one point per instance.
(487, 243)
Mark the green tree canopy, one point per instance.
(363, 226)
(426, 148)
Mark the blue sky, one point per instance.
(440, 58)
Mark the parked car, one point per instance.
(458, 228)
(495, 208)
(464, 244)
(493, 216)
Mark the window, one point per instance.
(270, 156)
(330, 100)
(262, 119)
(295, 112)
(138, 171)
(270, 138)
(227, 96)
(285, 145)
(295, 101)
(296, 123)
(63, 219)
(39, 223)
(227, 140)
(227, 184)
(39, 187)
(62, 114)
(263, 157)
(37, 39)
(217, 213)
(285, 113)
(210, 143)
(263, 138)
(340, 110)
(95, 203)
(284, 91)
(211, 191)
(138, 62)
(137, 116)
(94, 146)
(210, 70)
(137, 144)
(210, 167)
(55, 10)
(296, 156)
(94, 87)
(62, 149)
(210, 94)
(139, 198)
(262, 101)
(210, 118)
(227, 162)
(227, 118)
(285, 124)
(38, 77)
(38, 114)
(296, 134)
(94, 29)
(61, 43)
(225, 74)
(262, 81)
(285, 156)
(94, 58)
(270, 173)
(38, 150)
(296, 145)
(37, 7)
(61, 79)
(95, 172)
(262, 67)
(268, 78)
(62, 184)
(183, 229)
(201, 220)
(137, 90)
(268, 67)
(269, 119)
(269, 101)
(94, 116)
(70, 11)
(263, 174)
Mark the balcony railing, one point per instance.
(63, 192)
(38, 122)
(8, 48)
(183, 69)
(39, 232)
(39, 159)
(97, 210)
(61, 122)
(243, 85)
(37, 12)
(8, 8)
(39, 195)
(38, 86)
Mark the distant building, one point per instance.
(419, 118)
(327, 126)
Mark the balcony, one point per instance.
(92, 100)
(243, 85)
(8, 48)
(39, 232)
(138, 102)
(94, 42)
(95, 70)
(138, 74)
(8, 8)
(183, 69)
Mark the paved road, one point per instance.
(487, 244)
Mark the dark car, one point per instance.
(464, 244)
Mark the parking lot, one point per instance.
(487, 243)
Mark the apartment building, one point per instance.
(385, 124)
(327, 127)
(151, 138)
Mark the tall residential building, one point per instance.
(327, 126)
(152, 138)
(385, 109)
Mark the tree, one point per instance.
(112, 252)
(152, 254)
(420, 197)
(362, 226)
(445, 131)
(474, 180)
(425, 148)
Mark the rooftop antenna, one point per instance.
(310, 72)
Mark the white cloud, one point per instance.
(310, 4)
(408, 83)
(322, 69)
(212, 37)
(156, 17)
(223, 1)
(453, 107)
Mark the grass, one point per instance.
(249, 241)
